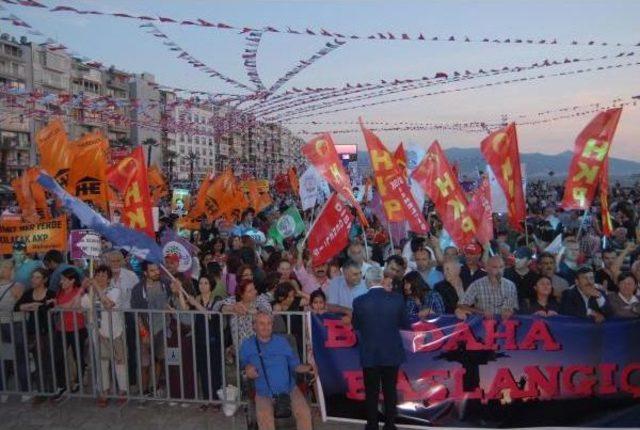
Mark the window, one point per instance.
(12, 50)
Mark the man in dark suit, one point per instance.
(378, 317)
(585, 299)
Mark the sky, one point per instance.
(122, 43)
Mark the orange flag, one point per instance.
(224, 198)
(293, 180)
(88, 170)
(157, 184)
(129, 176)
(397, 200)
(435, 176)
(30, 196)
(259, 200)
(500, 149)
(400, 158)
(199, 206)
(55, 152)
(589, 157)
(321, 153)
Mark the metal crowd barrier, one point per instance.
(39, 355)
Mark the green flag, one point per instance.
(290, 224)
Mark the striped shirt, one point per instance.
(487, 298)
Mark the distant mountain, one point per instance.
(537, 165)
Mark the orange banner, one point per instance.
(435, 176)
(321, 153)
(589, 156)
(500, 149)
(88, 170)
(39, 237)
(55, 151)
(220, 197)
(257, 199)
(130, 177)
(397, 200)
(293, 180)
(157, 184)
(31, 197)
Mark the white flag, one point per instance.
(309, 188)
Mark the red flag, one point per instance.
(129, 176)
(480, 209)
(435, 176)
(321, 153)
(607, 225)
(400, 158)
(500, 149)
(330, 233)
(397, 200)
(589, 155)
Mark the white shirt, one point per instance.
(630, 302)
(125, 282)
(114, 318)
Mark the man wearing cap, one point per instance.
(522, 276)
(472, 270)
(23, 265)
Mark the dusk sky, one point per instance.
(121, 42)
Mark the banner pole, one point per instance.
(315, 220)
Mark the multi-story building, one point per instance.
(181, 135)
(194, 139)
(116, 85)
(145, 116)
(15, 148)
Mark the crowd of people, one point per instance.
(560, 265)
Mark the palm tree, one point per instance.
(151, 143)
(170, 158)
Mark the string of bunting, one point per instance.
(303, 64)
(250, 57)
(517, 117)
(384, 35)
(399, 85)
(186, 56)
(314, 110)
(54, 45)
(480, 126)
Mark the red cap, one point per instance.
(472, 249)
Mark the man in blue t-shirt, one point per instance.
(280, 363)
(23, 265)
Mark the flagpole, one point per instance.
(315, 220)
(390, 234)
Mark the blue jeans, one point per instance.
(15, 339)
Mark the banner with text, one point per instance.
(522, 372)
(39, 237)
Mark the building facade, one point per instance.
(15, 147)
(189, 138)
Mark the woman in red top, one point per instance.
(68, 323)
